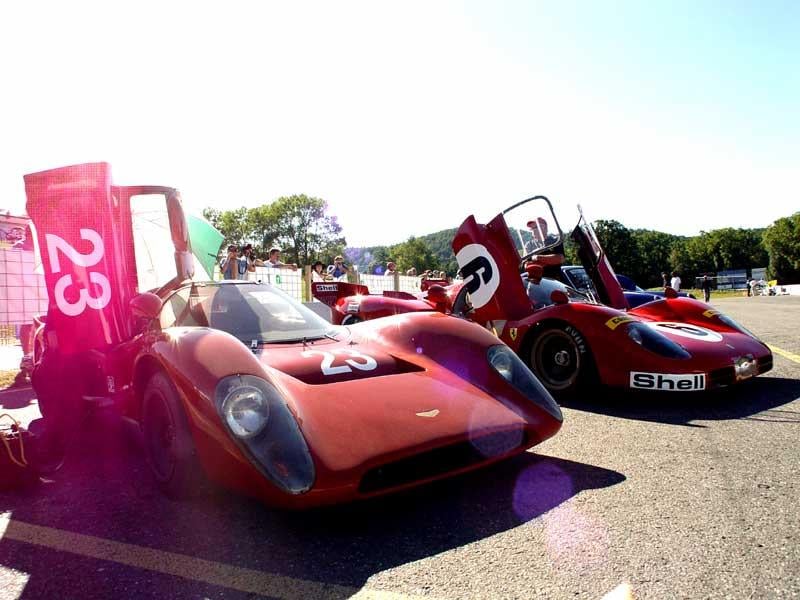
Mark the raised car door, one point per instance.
(594, 260)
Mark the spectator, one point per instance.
(339, 272)
(274, 260)
(664, 279)
(675, 282)
(252, 261)
(412, 272)
(317, 272)
(749, 287)
(391, 269)
(706, 286)
(230, 264)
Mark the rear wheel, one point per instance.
(168, 443)
(560, 359)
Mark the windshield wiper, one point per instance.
(303, 339)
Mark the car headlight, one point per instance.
(513, 370)
(262, 425)
(656, 342)
(246, 411)
(502, 362)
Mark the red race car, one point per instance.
(351, 303)
(675, 344)
(569, 338)
(238, 382)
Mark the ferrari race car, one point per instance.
(351, 303)
(567, 338)
(237, 382)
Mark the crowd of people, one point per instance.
(237, 263)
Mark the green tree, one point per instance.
(782, 242)
(232, 224)
(300, 225)
(414, 252)
(618, 243)
(653, 249)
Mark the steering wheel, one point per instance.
(462, 305)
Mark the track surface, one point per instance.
(680, 496)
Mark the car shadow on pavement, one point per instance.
(105, 490)
(757, 399)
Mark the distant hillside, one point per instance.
(439, 244)
(365, 257)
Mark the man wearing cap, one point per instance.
(230, 264)
(339, 272)
(252, 261)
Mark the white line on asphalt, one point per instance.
(784, 353)
(181, 565)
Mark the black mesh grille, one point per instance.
(723, 376)
(441, 460)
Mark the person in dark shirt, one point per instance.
(706, 286)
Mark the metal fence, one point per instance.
(297, 283)
(23, 293)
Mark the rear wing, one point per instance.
(329, 292)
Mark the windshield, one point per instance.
(251, 312)
(533, 226)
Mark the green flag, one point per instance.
(206, 242)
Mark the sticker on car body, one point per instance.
(684, 330)
(615, 322)
(480, 272)
(687, 382)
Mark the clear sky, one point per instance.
(408, 116)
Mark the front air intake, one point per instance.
(439, 461)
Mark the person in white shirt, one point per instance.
(318, 272)
(675, 282)
(274, 260)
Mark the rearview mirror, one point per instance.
(145, 306)
(558, 297)
(669, 292)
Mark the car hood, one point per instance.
(411, 401)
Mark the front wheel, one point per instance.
(559, 358)
(168, 443)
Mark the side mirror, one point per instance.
(669, 292)
(145, 306)
(558, 297)
(437, 294)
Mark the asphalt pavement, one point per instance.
(691, 496)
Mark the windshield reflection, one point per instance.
(253, 313)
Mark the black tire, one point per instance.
(560, 358)
(169, 448)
